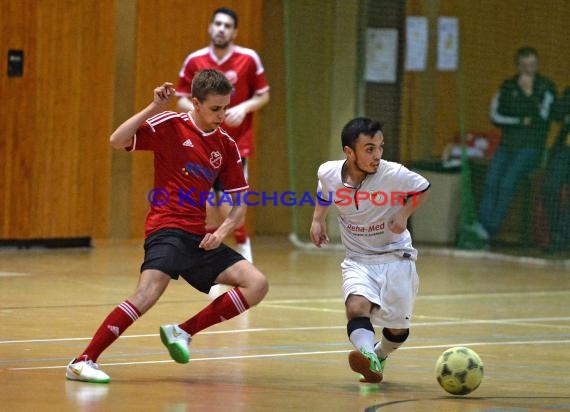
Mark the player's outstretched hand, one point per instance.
(163, 94)
(319, 233)
(210, 241)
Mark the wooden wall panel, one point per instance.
(59, 120)
(167, 32)
(16, 19)
(271, 162)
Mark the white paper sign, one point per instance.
(416, 43)
(381, 55)
(447, 43)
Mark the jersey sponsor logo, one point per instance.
(367, 230)
(215, 159)
(188, 143)
(194, 169)
(347, 197)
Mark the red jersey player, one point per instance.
(190, 152)
(243, 68)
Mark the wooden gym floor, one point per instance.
(289, 353)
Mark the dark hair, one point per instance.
(525, 52)
(229, 12)
(356, 127)
(210, 81)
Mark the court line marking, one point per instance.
(13, 274)
(517, 322)
(451, 321)
(504, 321)
(332, 352)
(289, 307)
(454, 296)
(460, 296)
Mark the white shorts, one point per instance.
(392, 286)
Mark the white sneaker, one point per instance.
(244, 249)
(176, 341)
(86, 371)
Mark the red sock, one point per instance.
(224, 307)
(240, 234)
(112, 327)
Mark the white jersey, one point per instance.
(364, 222)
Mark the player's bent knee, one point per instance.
(396, 335)
(252, 283)
(258, 289)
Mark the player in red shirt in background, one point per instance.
(245, 71)
(190, 153)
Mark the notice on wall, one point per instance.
(416, 43)
(381, 55)
(448, 43)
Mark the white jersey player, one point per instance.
(374, 199)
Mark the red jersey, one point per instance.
(244, 70)
(187, 161)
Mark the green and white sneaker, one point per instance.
(86, 371)
(176, 341)
(367, 364)
(382, 363)
(381, 360)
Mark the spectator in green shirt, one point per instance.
(521, 108)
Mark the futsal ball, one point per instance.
(459, 370)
